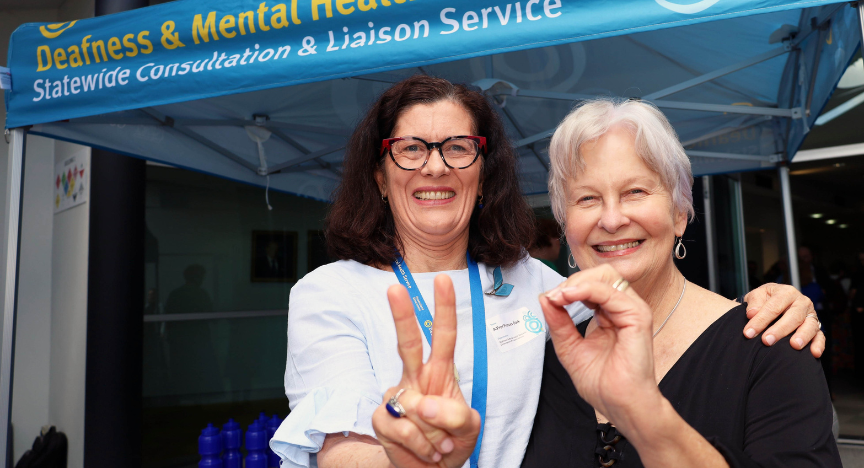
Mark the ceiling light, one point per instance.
(843, 226)
(830, 221)
(816, 215)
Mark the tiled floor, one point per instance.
(849, 403)
(851, 455)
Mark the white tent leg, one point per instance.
(709, 234)
(14, 195)
(791, 244)
(861, 21)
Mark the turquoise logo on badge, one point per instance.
(532, 323)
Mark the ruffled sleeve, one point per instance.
(329, 380)
(322, 411)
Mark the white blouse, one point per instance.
(342, 356)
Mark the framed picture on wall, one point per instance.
(274, 256)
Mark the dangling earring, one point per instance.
(480, 202)
(678, 250)
(383, 199)
(569, 256)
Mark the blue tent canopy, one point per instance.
(179, 83)
(268, 92)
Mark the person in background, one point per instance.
(753, 274)
(856, 306)
(813, 287)
(546, 245)
(190, 343)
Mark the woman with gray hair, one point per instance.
(618, 391)
(661, 375)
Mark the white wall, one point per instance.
(32, 356)
(50, 355)
(71, 232)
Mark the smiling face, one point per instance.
(432, 205)
(618, 212)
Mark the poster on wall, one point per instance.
(274, 257)
(71, 181)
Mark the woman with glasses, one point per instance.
(430, 187)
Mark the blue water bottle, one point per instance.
(256, 445)
(232, 439)
(272, 425)
(209, 447)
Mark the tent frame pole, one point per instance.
(709, 234)
(774, 158)
(861, 22)
(789, 221)
(755, 60)
(12, 248)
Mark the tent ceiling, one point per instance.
(741, 92)
(721, 91)
(843, 130)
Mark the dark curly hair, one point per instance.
(360, 225)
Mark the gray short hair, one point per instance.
(656, 143)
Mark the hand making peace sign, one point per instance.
(439, 428)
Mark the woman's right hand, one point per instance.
(439, 428)
(612, 367)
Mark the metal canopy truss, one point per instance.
(279, 129)
(742, 123)
(502, 109)
(493, 89)
(718, 73)
(270, 124)
(169, 122)
(299, 147)
(774, 158)
(309, 157)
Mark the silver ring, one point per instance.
(621, 285)
(816, 317)
(394, 407)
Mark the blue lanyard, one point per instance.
(478, 388)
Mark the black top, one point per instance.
(758, 405)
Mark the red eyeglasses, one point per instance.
(412, 153)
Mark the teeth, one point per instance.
(436, 195)
(612, 248)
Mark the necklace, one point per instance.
(661, 325)
(673, 309)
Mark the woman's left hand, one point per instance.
(438, 428)
(767, 302)
(612, 367)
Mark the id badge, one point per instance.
(515, 328)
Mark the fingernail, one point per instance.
(447, 446)
(570, 289)
(799, 342)
(770, 339)
(437, 457)
(750, 333)
(554, 295)
(429, 407)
